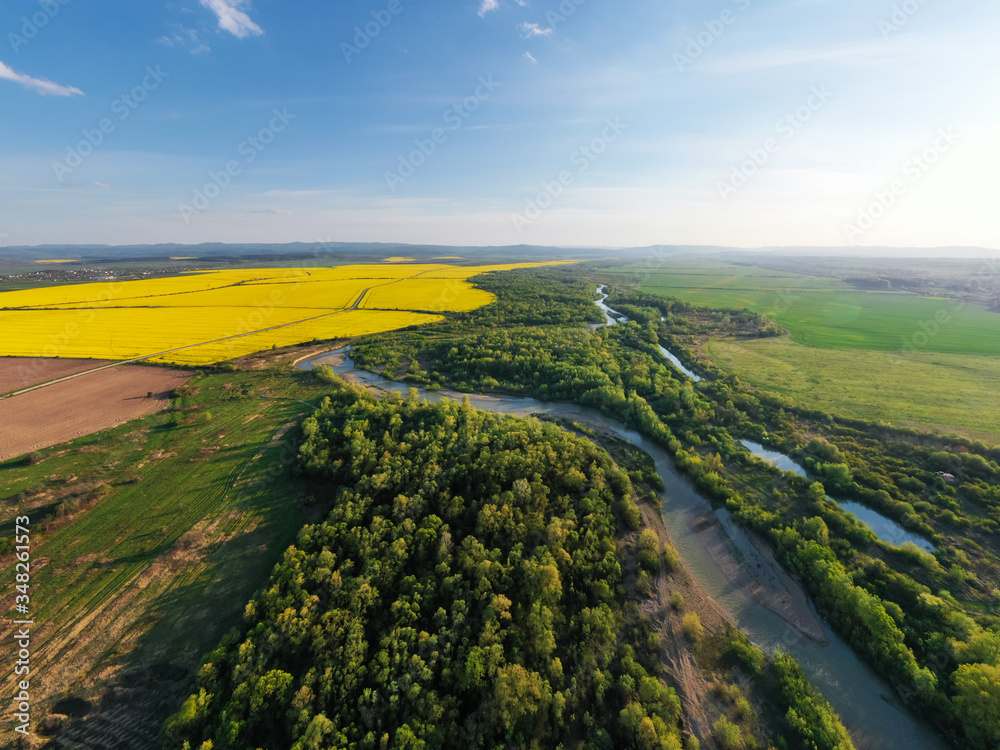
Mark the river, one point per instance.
(865, 702)
(882, 526)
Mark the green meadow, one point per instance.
(822, 311)
(929, 362)
(148, 539)
(954, 394)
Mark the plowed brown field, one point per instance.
(83, 406)
(20, 372)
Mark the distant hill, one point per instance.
(376, 250)
(208, 250)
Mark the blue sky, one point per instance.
(634, 122)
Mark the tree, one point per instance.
(977, 703)
(727, 734)
(518, 694)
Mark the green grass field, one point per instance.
(823, 311)
(191, 520)
(910, 360)
(947, 393)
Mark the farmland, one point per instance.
(826, 311)
(20, 373)
(202, 318)
(945, 392)
(900, 353)
(84, 405)
(148, 539)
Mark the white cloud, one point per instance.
(529, 30)
(101, 184)
(232, 19)
(529, 57)
(40, 85)
(488, 5)
(184, 37)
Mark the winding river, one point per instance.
(867, 704)
(882, 526)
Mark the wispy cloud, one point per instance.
(184, 37)
(529, 30)
(232, 18)
(40, 85)
(868, 54)
(488, 5)
(529, 57)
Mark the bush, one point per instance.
(692, 627)
(727, 734)
(649, 550)
(325, 374)
(643, 583)
(677, 601)
(671, 558)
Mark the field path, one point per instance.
(145, 357)
(356, 305)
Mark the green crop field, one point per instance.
(948, 393)
(921, 361)
(826, 312)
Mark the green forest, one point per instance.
(927, 622)
(466, 589)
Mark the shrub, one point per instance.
(671, 559)
(649, 550)
(692, 627)
(727, 734)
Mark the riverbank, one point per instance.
(853, 688)
(751, 568)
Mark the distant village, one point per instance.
(63, 275)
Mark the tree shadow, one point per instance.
(187, 620)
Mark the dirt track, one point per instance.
(83, 406)
(20, 372)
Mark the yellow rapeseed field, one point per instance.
(208, 317)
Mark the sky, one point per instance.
(612, 123)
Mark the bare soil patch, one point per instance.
(83, 406)
(22, 372)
